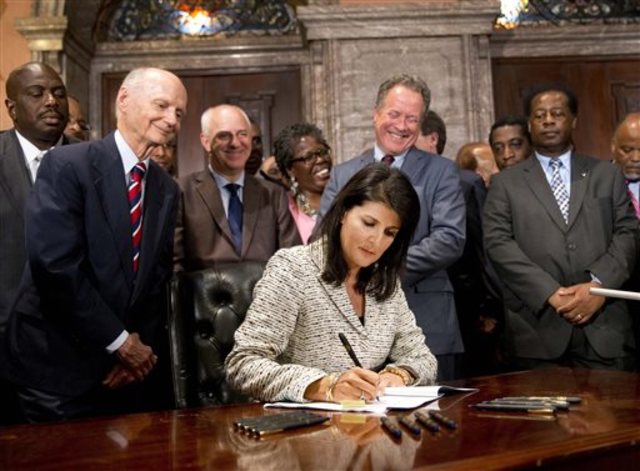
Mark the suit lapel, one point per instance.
(537, 182)
(14, 176)
(111, 189)
(210, 195)
(579, 182)
(337, 294)
(251, 203)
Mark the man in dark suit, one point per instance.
(439, 237)
(556, 225)
(87, 325)
(37, 104)
(625, 148)
(226, 214)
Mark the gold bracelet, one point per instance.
(407, 378)
(333, 379)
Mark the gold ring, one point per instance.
(361, 395)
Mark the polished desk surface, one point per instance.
(604, 428)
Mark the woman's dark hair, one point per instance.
(380, 184)
(286, 140)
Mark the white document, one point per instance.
(401, 398)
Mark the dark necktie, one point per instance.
(135, 211)
(634, 200)
(235, 215)
(388, 160)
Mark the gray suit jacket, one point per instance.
(535, 253)
(203, 237)
(437, 242)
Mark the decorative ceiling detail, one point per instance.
(164, 19)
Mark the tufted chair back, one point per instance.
(207, 308)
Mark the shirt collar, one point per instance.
(378, 153)
(29, 150)
(221, 181)
(564, 158)
(127, 155)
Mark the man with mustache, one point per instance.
(556, 225)
(37, 104)
(625, 147)
(86, 335)
(401, 103)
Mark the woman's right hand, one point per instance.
(356, 383)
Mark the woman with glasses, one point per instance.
(304, 158)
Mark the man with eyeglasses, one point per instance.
(225, 214)
(556, 225)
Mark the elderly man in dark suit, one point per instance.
(556, 225)
(439, 238)
(87, 326)
(226, 214)
(37, 104)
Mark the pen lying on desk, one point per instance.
(569, 399)
(410, 425)
(425, 420)
(559, 405)
(446, 421)
(538, 409)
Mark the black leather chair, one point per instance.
(207, 307)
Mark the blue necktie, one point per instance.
(235, 215)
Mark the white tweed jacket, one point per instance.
(289, 338)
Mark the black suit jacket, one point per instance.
(79, 291)
(15, 185)
(535, 253)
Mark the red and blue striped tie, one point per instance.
(135, 213)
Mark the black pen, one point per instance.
(446, 421)
(560, 405)
(391, 427)
(411, 425)
(349, 350)
(569, 399)
(427, 422)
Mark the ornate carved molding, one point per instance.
(437, 19)
(45, 35)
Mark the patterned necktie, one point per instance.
(634, 200)
(388, 160)
(235, 215)
(135, 211)
(559, 190)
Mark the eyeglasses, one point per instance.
(312, 156)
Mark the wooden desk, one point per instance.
(605, 428)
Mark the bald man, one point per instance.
(625, 147)
(227, 215)
(478, 157)
(86, 335)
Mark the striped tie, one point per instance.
(135, 213)
(559, 190)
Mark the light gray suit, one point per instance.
(535, 253)
(437, 242)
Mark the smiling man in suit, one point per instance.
(439, 239)
(37, 104)
(87, 326)
(227, 215)
(556, 225)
